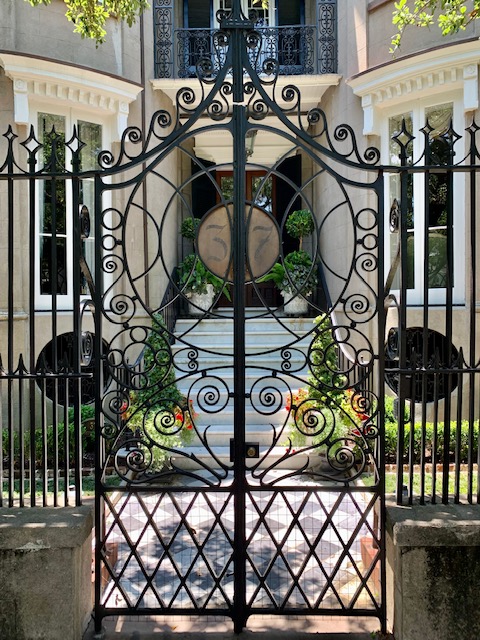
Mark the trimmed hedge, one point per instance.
(391, 437)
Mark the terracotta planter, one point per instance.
(369, 551)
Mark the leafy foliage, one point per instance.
(316, 408)
(295, 275)
(159, 387)
(49, 447)
(391, 438)
(188, 229)
(194, 277)
(158, 412)
(326, 382)
(451, 16)
(300, 224)
(90, 16)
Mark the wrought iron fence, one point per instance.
(432, 349)
(432, 345)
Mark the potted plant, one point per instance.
(199, 285)
(300, 224)
(296, 278)
(188, 228)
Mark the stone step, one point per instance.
(252, 418)
(219, 435)
(257, 340)
(187, 459)
(183, 356)
(298, 326)
(210, 340)
(254, 380)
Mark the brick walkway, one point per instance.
(259, 628)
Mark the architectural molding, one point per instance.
(432, 72)
(61, 84)
(267, 146)
(216, 145)
(312, 88)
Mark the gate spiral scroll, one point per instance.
(238, 459)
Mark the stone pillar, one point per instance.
(45, 569)
(433, 572)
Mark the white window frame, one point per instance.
(436, 296)
(246, 6)
(72, 115)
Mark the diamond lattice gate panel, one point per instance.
(239, 450)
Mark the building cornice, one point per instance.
(62, 84)
(312, 88)
(268, 147)
(436, 71)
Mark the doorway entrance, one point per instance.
(260, 190)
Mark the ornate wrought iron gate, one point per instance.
(220, 488)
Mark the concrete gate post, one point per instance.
(45, 569)
(433, 571)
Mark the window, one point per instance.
(55, 203)
(264, 14)
(430, 227)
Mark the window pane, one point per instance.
(49, 252)
(52, 207)
(91, 135)
(226, 187)
(262, 192)
(396, 124)
(439, 185)
(289, 12)
(198, 14)
(52, 197)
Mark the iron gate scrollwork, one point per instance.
(221, 489)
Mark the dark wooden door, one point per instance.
(260, 189)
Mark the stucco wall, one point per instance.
(44, 31)
(381, 30)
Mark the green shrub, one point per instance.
(391, 439)
(326, 383)
(158, 412)
(189, 227)
(300, 224)
(193, 277)
(50, 445)
(314, 409)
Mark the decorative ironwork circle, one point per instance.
(214, 241)
(436, 353)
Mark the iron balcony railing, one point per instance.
(295, 48)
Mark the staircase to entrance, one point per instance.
(267, 352)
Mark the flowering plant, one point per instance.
(311, 418)
(185, 418)
(353, 409)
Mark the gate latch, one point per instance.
(252, 449)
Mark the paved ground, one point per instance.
(259, 628)
(152, 519)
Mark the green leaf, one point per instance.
(90, 16)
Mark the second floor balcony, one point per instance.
(299, 49)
